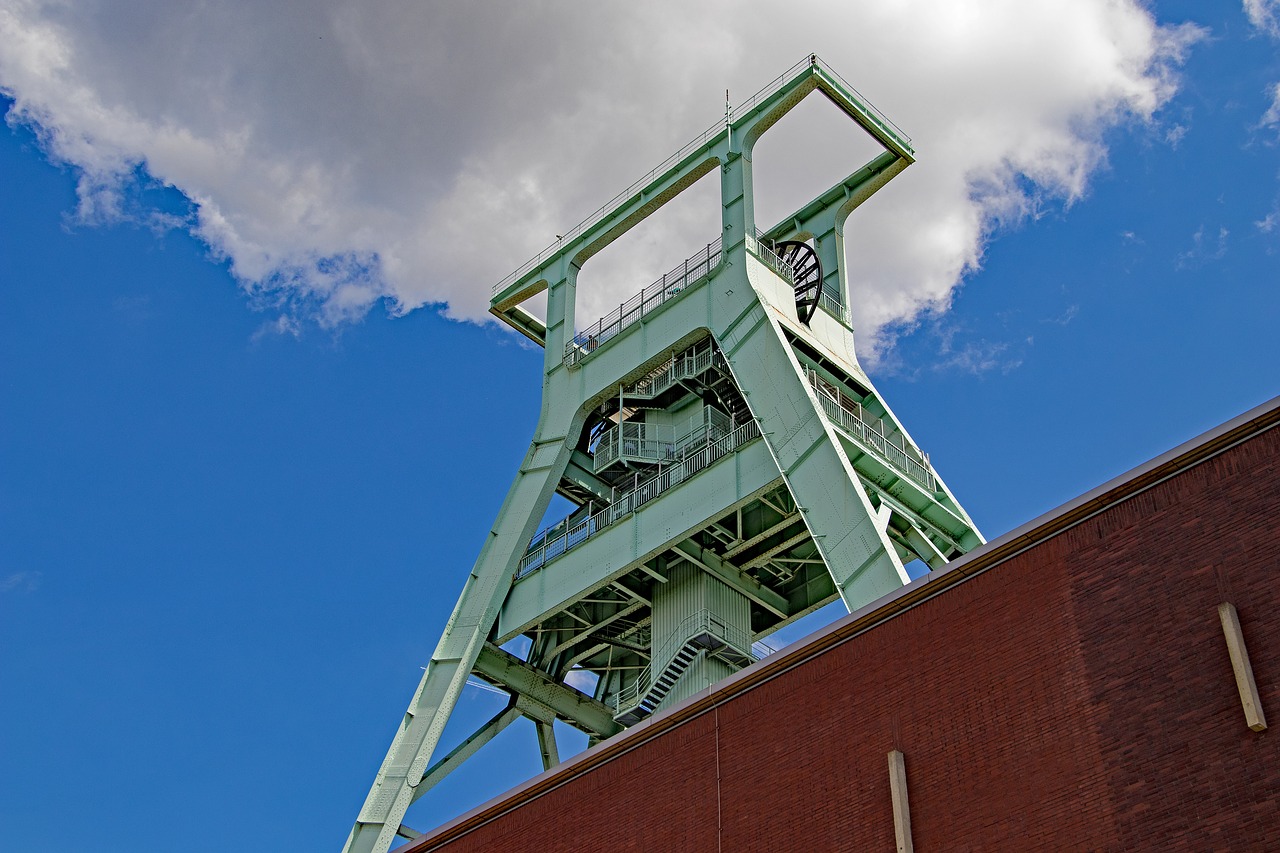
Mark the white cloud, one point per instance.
(281, 326)
(1203, 248)
(1271, 118)
(1070, 313)
(343, 153)
(1265, 15)
(25, 581)
(979, 357)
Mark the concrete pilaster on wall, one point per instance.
(901, 806)
(1241, 668)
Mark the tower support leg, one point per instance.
(856, 548)
(405, 765)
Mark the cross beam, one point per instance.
(733, 576)
(574, 706)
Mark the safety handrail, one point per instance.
(869, 431)
(694, 362)
(657, 442)
(690, 628)
(756, 246)
(672, 284)
(563, 536)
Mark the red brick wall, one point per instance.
(1078, 696)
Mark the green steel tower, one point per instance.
(732, 466)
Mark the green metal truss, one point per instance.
(752, 473)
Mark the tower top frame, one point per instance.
(727, 140)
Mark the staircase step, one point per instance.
(667, 679)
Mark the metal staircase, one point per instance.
(701, 634)
(660, 688)
(701, 367)
(691, 363)
(726, 391)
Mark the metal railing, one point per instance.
(756, 246)
(609, 206)
(827, 300)
(697, 142)
(671, 285)
(813, 59)
(872, 112)
(693, 362)
(832, 304)
(633, 441)
(850, 417)
(658, 442)
(571, 532)
(695, 625)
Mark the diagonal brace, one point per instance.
(466, 749)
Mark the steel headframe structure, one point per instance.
(732, 466)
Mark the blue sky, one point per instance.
(243, 475)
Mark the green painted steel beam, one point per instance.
(734, 577)
(922, 546)
(642, 203)
(626, 545)
(582, 636)
(547, 745)
(714, 147)
(466, 749)
(860, 110)
(526, 324)
(835, 508)
(573, 706)
(578, 470)
(921, 504)
(830, 208)
(914, 518)
(463, 639)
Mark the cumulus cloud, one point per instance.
(1265, 15)
(341, 154)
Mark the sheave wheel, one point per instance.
(803, 261)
